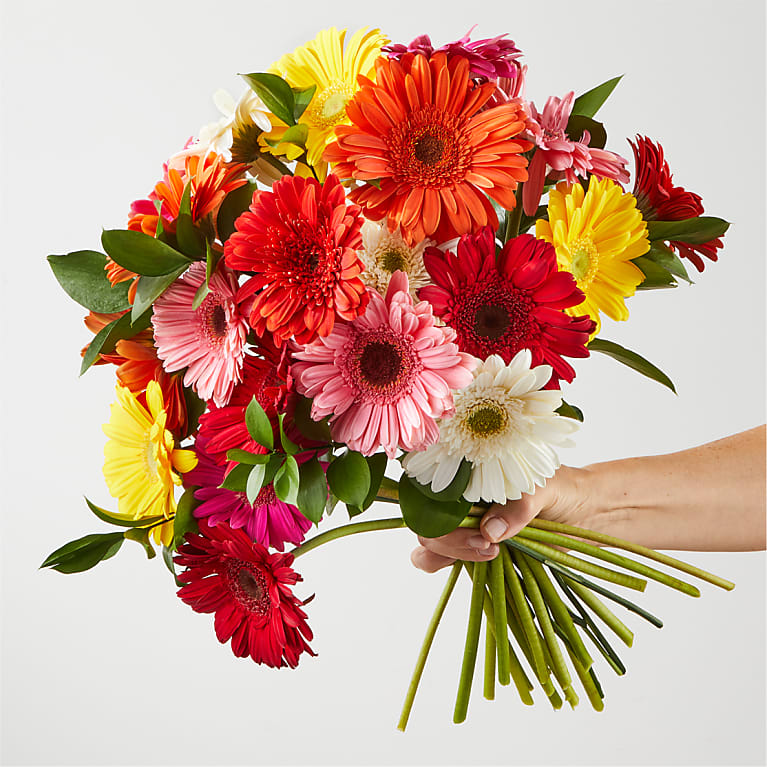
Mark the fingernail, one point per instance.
(478, 542)
(496, 528)
(491, 552)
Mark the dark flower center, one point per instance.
(218, 320)
(380, 363)
(429, 149)
(248, 586)
(491, 321)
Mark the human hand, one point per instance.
(564, 499)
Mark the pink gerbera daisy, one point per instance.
(209, 341)
(269, 521)
(384, 378)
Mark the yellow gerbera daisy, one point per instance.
(324, 62)
(140, 459)
(596, 235)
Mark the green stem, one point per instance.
(498, 595)
(472, 639)
(431, 630)
(635, 548)
(489, 689)
(344, 530)
(610, 619)
(554, 539)
(513, 217)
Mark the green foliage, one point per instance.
(233, 206)
(655, 275)
(664, 257)
(276, 94)
(296, 134)
(693, 231)
(570, 411)
(287, 445)
(312, 489)
(243, 456)
(427, 516)
(349, 478)
(255, 482)
(377, 465)
(319, 431)
(141, 536)
(104, 341)
(259, 425)
(119, 519)
(630, 359)
(588, 104)
(195, 407)
(286, 481)
(577, 124)
(190, 239)
(142, 254)
(84, 553)
(184, 522)
(302, 100)
(149, 289)
(84, 279)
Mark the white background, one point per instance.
(109, 667)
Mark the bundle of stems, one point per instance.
(542, 609)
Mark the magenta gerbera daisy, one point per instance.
(208, 341)
(249, 590)
(268, 520)
(384, 378)
(517, 300)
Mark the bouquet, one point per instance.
(368, 281)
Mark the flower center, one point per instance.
(393, 261)
(491, 321)
(248, 586)
(584, 260)
(486, 418)
(329, 106)
(380, 365)
(213, 320)
(430, 148)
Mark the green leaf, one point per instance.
(588, 104)
(655, 276)
(243, 456)
(141, 535)
(255, 482)
(693, 231)
(566, 410)
(331, 503)
(212, 257)
(349, 478)
(286, 481)
(296, 134)
(149, 289)
(454, 491)
(376, 182)
(84, 279)
(377, 464)
(427, 516)
(195, 407)
(233, 206)
(276, 94)
(353, 511)
(237, 479)
(663, 256)
(318, 431)
(290, 447)
(579, 123)
(200, 296)
(84, 553)
(184, 522)
(119, 519)
(631, 359)
(188, 236)
(259, 425)
(104, 341)
(140, 253)
(302, 100)
(272, 466)
(312, 489)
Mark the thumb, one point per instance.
(501, 522)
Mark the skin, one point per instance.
(707, 498)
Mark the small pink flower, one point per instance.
(385, 377)
(209, 341)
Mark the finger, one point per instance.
(461, 544)
(428, 561)
(501, 522)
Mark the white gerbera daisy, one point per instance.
(386, 252)
(505, 425)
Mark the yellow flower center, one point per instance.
(584, 260)
(393, 260)
(329, 106)
(486, 419)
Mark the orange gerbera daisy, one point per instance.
(418, 133)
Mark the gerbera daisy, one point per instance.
(141, 461)
(659, 199)
(208, 341)
(505, 425)
(384, 252)
(418, 133)
(384, 378)
(596, 235)
(512, 302)
(333, 68)
(249, 591)
(491, 58)
(269, 521)
(223, 428)
(301, 240)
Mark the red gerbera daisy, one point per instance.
(419, 134)
(517, 301)
(660, 200)
(301, 240)
(249, 591)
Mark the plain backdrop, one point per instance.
(109, 667)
